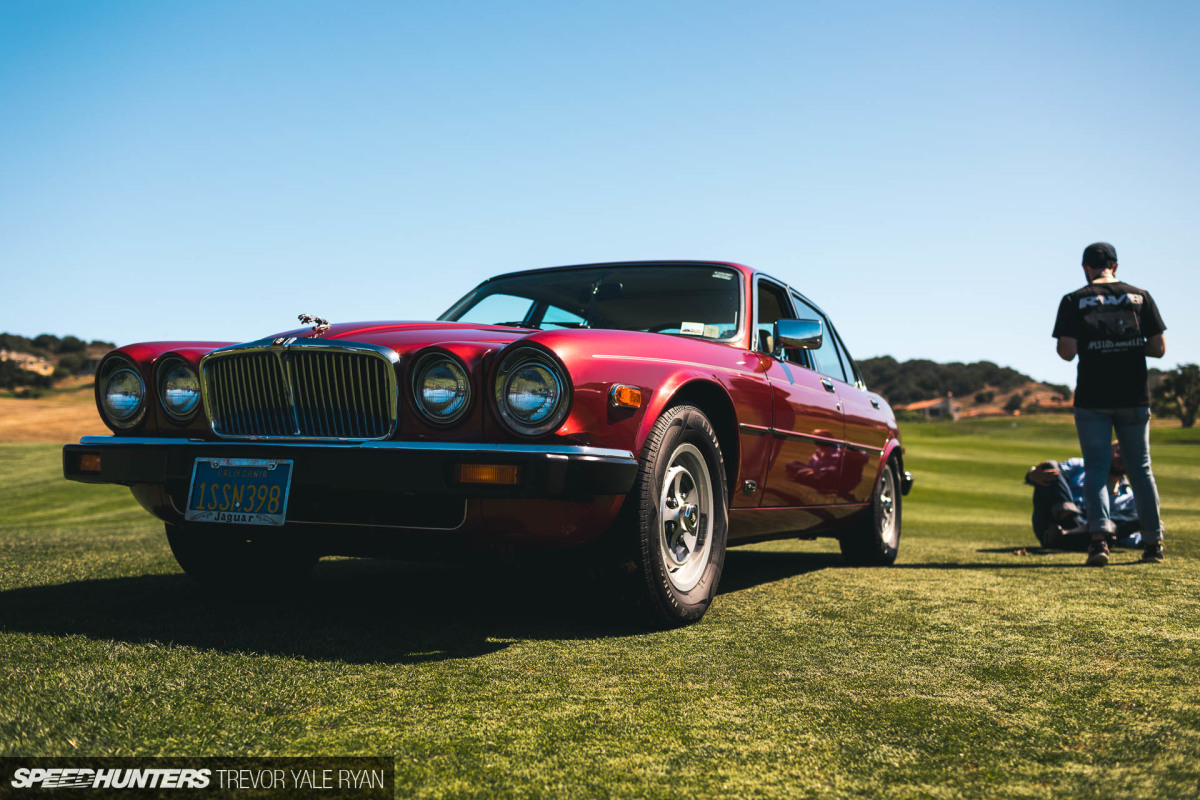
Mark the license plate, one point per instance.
(242, 491)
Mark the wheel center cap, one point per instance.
(689, 516)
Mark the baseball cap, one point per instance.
(1100, 255)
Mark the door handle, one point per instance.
(828, 384)
(874, 402)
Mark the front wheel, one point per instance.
(225, 558)
(875, 540)
(682, 517)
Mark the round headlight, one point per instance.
(441, 388)
(179, 389)
(122, 394)
(531, 392)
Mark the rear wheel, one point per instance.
(228, 559)
(875, 540)
(682, 517)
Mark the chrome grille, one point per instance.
(304, 391)
(344, 395)
(247, 396)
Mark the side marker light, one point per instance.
(622, 396)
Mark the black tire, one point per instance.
(874, 541)
(237, 561)
(678, 561)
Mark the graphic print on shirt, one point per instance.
(1113, 320)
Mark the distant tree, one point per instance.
(11, 341)
(1061, 390)
(1014, 403)
(47, 342)
(921, 379)
(70, 344)
(101, 343)
(71, 363)
(985, 397)
(12, 377)
(1178, 394)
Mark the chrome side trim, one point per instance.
(805, 437)
(565, 451)
(754, 430)
(783, 434)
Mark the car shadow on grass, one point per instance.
(363, 611)
(1030, 558)
(745, 569)
(353, 611)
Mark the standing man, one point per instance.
(1112, 327)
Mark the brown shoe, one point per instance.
(1152, 553)
(1097, 553)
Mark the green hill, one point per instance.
(922, 379)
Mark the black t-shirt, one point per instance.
(1111, 322)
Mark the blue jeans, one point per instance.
(1132, 426)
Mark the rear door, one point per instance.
(866, 430)
(807, 430)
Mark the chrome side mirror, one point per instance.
(805, 334)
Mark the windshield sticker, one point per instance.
(725, 276)
(694, 328)
(712, 332)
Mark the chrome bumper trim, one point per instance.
(577, 451)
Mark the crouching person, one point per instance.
(1059, 519)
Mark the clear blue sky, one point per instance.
(928, 172)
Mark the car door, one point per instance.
(807, 429)
(866, 431)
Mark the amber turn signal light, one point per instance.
(623, 396)
(89, 462)
(493, 474)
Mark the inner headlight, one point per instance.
(122, 393)
(179, 389)
(531, 392)
(441, 388)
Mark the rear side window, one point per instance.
(847, 362)
(825, 359)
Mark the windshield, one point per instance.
(701, 301)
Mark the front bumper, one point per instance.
(416, 468)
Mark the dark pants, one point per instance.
(1048, 499)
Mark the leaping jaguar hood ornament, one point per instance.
(319, 325)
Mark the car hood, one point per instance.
(408, 336)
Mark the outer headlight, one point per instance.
(441, 388)
(531, 392)
(122, 393)
(178, 389)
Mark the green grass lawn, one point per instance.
(970, 669)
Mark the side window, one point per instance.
(773, 306)
(847, 362)
(825, 359)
